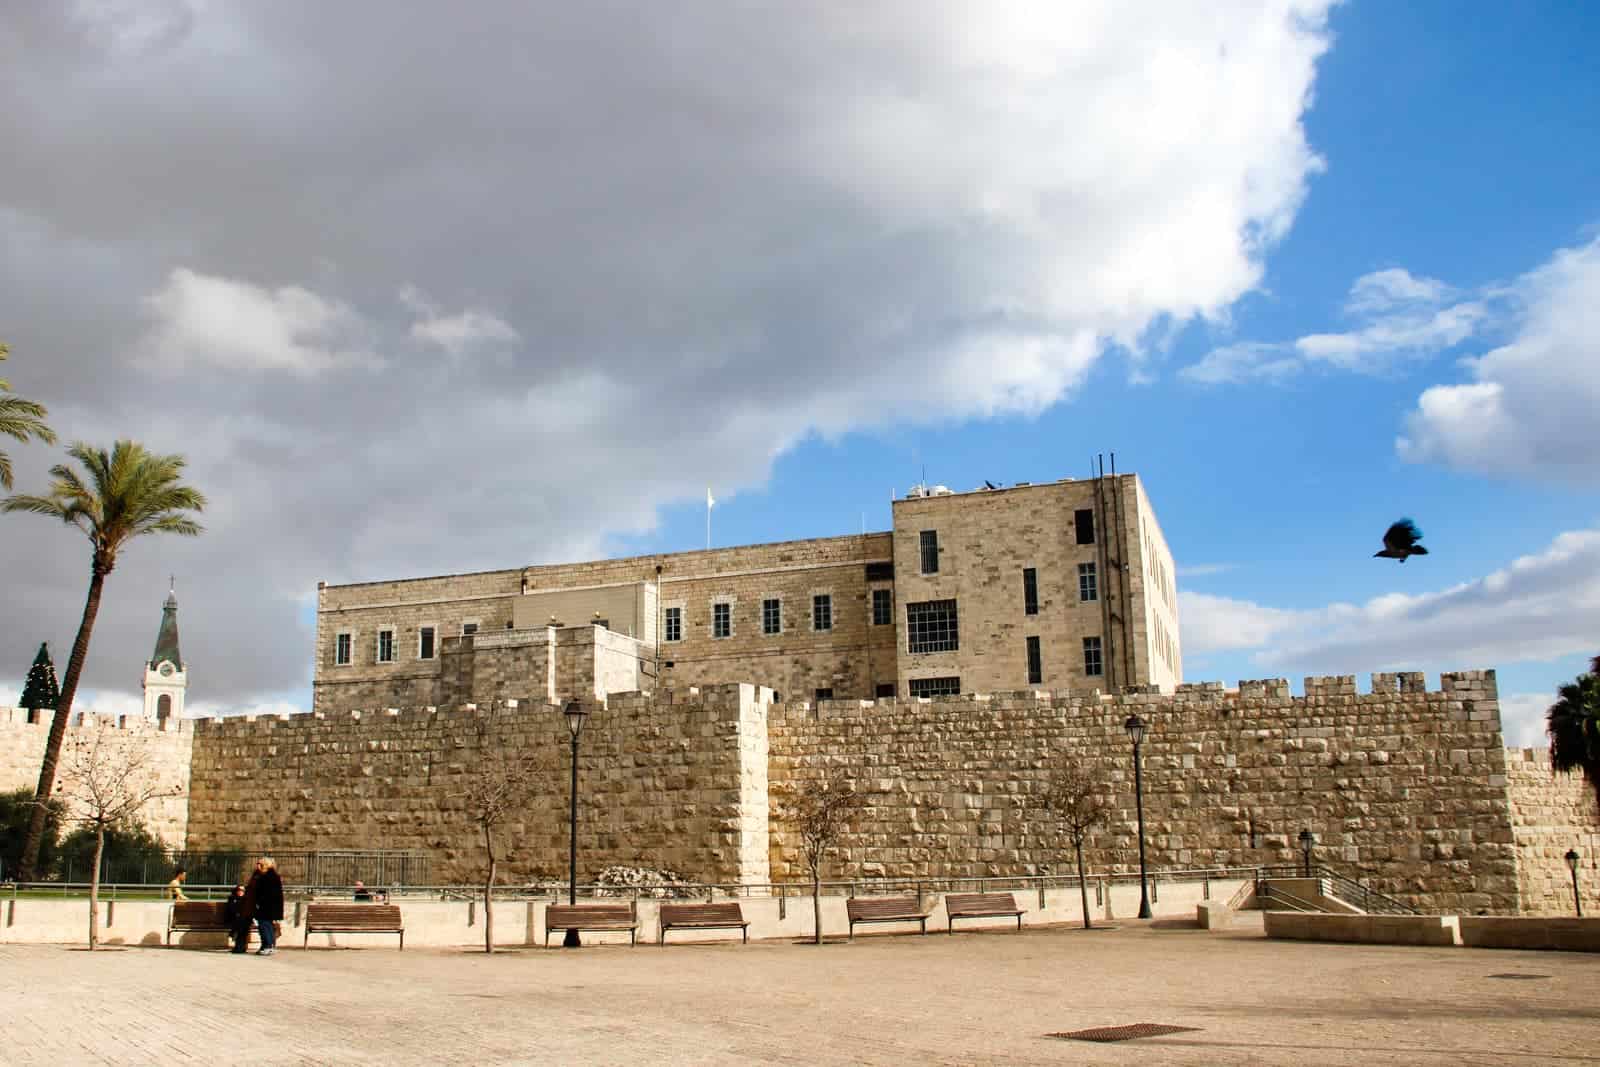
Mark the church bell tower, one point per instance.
(165, 677)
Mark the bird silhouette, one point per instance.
(1400, 540)
(987, 484)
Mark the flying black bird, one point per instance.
(987, 484)
(1400, 540)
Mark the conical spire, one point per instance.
(167, 639)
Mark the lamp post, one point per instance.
(1572, 865)
(1306, 843)
(574, 714)
(1135, 728)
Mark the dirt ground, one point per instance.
(980, 997)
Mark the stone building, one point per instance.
(1062, 585)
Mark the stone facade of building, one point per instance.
(1552, 814)
(1064, 584)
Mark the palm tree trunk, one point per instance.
(1083, 887)
(94, 886)
(58, 725)
(488, 896)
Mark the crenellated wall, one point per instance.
(661, 784)
(1550, 814)
(169, 743)
(1401, 786)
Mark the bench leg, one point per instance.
(745, 930)
(402, 940)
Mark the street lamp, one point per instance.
(1306, 843)
(1135, 728)
(574, 714)
(1572, 865)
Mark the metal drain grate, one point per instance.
(1123, 1033)
(1514, 974)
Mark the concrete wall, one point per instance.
(1403, 787)
(22, 746)
(1550, 814)
(1434, 930)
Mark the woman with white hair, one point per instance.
(269, 903)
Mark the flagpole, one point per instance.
(709, 502)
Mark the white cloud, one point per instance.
(1542, 606)
(235, 325)
(1522, 718)
(1531, 409)
(460, 333)
(1403, 316)
(1203, 570)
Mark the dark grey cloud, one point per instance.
(373, 267)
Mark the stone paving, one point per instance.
(982, 997)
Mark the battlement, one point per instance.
(18, 717)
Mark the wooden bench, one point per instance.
(885, 910)
(704, 917)
(592, 917)
(197, 916)
(354, 919)
(980, 906)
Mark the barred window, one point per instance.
(425, 637)
(1091, 656)
(822, 611)
(771, 616)
(1030, 591)
(385, 646)
(1088, 584)
(1035, 662)
(469, 628)
(721, 620)
(931, 627)
(674, 624)
(934, 687)
(341, 649)
(882, 607)
(930, 551)
(1083, 520)
(825, 693)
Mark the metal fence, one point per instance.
(332, 869)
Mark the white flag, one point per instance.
(710, 501)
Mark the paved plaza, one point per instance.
(989, 997)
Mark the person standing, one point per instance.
(175, 887)
(245, 913)
(269, 904)
(236, 916)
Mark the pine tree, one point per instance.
(41, 693)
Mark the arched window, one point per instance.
(163, 706)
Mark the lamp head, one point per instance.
(1306, 840)
(574, 714)
(1135, 728)
(1572, 859)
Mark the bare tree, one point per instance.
(109, 781)
(1073, 800)
(821, 813)
(499, 784)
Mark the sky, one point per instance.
(517, 283)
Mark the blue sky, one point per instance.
(468, 293)
(1459, 146)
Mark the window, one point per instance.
(885, 689)
(674, 624)
(882, 607)
(721, 620)
(386, 646)
(1035, 662)
(931, 627)
(880, 572)
(341, 649)
(425, 637)
(935, 687)
(1088, 586)
(469, 627)
(1091, 655)
(825, 693)
(930, 551)
(1030, 591)
(772, 616)
(1083, 519)
(822, 611)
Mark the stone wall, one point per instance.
(1551, 813)
(22, 747)
(1402, 787)
(662, 783)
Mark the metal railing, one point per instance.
(208, 867)
(1345, 888)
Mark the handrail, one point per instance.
(1272, 895)
(1349, 889)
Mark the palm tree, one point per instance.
(127, 493)
(21, 419)
(1573, 723)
